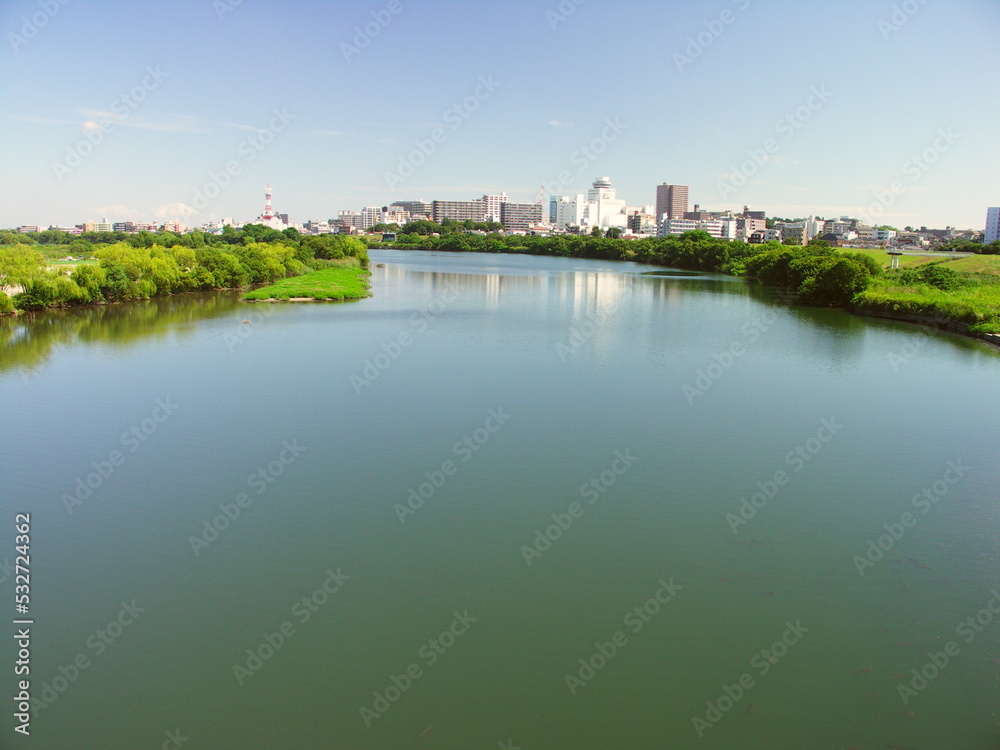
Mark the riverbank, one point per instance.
(330, 284)
(961, 295)
(142, 269)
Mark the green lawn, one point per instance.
(328, 284)
(977, 303)
(975, 264)
(905, 261)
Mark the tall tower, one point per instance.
(268, 211)
(671, 200)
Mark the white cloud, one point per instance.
(176, 124)
(560, 124)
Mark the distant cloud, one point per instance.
(333, 133)
(176, 124)
(560, 124)
(240, 126)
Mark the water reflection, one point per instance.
(613, 294)
(27, 341)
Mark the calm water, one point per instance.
(623, 415)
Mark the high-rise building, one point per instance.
(459, 211)
(992, 225)
(567, 210)
(492, 206)
(600, 208)
(416, 209)
(370, 216)
(520, 217)
(671, 201)
(349, 219)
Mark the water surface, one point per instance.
(501, 387)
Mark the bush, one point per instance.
(49, 290)
(90, 279)
(6, 304)
(836, 284)
(940, 277)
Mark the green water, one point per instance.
(313, 423)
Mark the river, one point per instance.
(507, 501)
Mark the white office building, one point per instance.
(370, 216)
(492, 207)
(992, 226)
(814, 227)
(720, 229)
(600, 208)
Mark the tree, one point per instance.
(80, 247)
(90, 278)
(18, 264)
(596, 232)
(837, 283)
(15, 238)
(613, 233)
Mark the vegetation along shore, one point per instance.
(961, 295)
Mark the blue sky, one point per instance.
(269, 90)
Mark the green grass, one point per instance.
(328, 284)
(905, 261)
(975, 264)
(976, 303)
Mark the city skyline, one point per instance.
(823, 110)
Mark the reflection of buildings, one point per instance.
(607, 301)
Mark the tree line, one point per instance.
(816, 273)
(148, 265)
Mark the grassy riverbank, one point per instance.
(141, 267)
(329, 284)
(974, 300)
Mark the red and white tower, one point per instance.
(268, 211)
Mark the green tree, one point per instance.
(90, 279)
(837, 283)
(80, 247)
(18, 264)
(15, 238)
